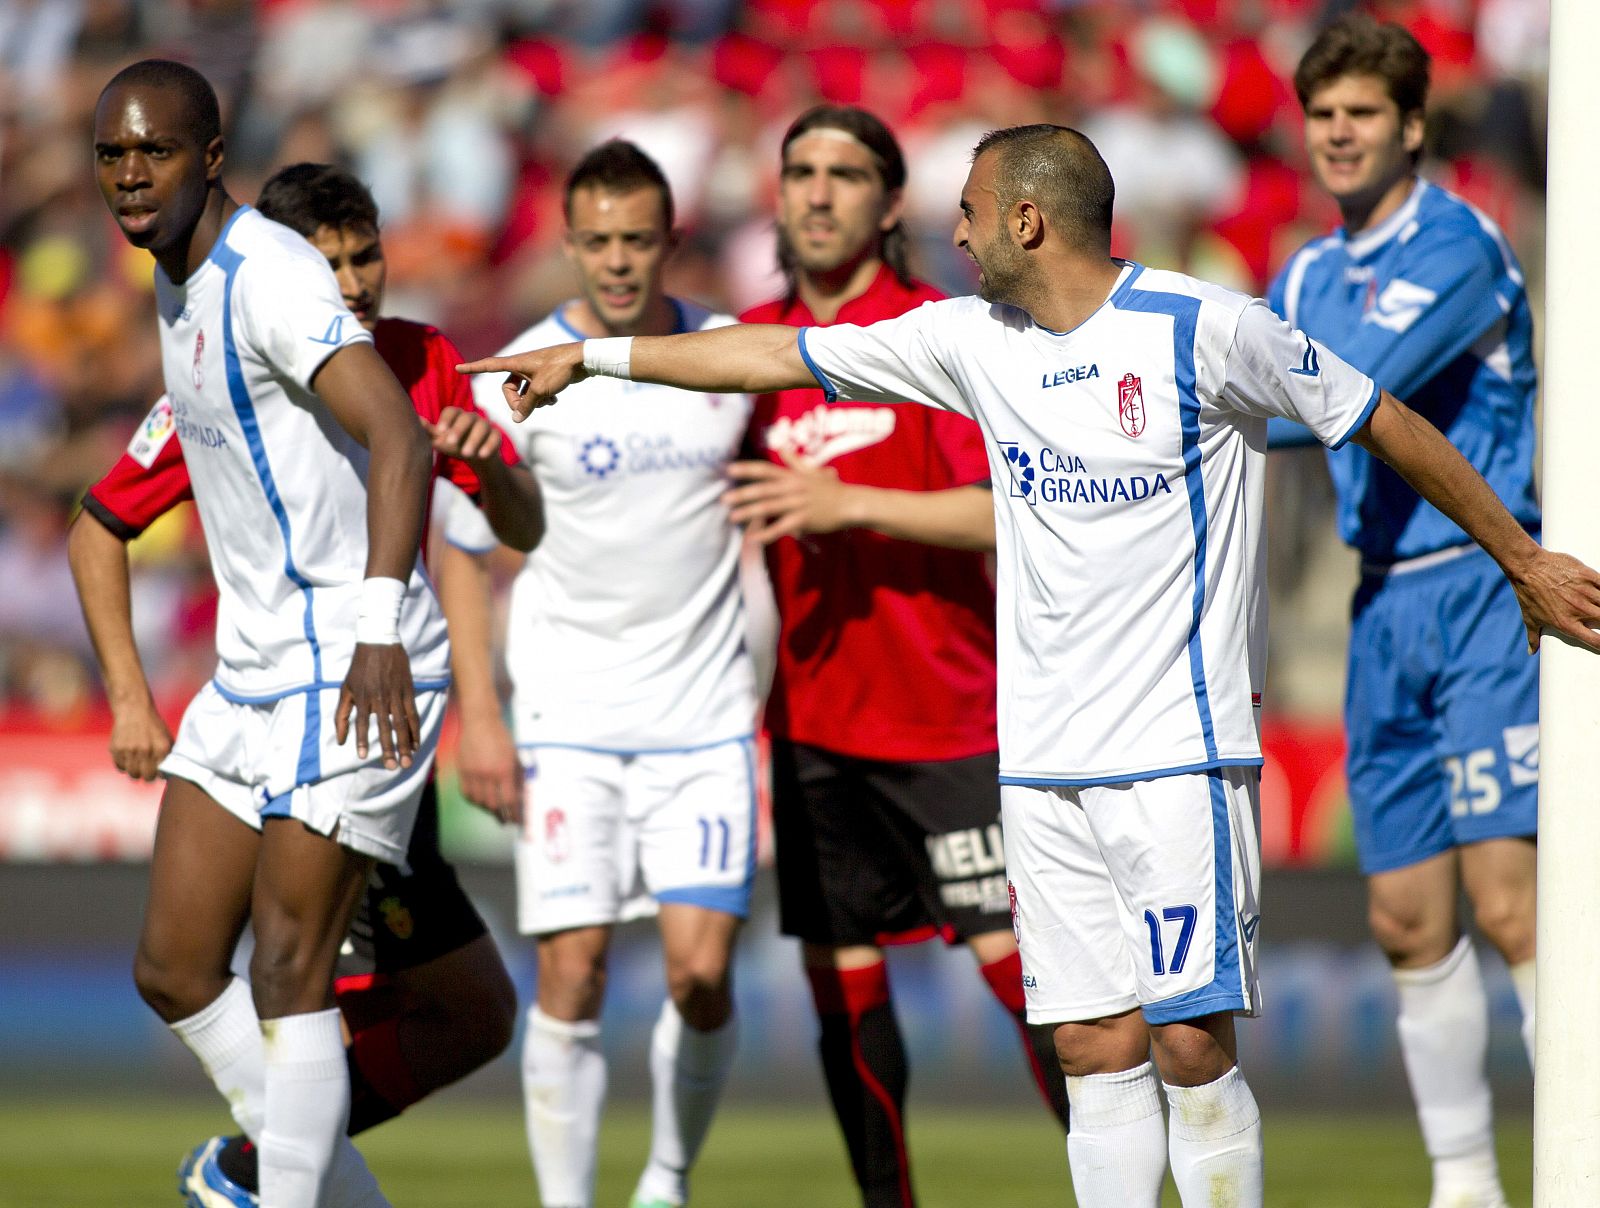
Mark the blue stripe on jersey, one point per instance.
(1081, 782)
(730, 899)
(1225, 992)
(829, 391)
(229, 260)
(1184, 312)
(680, 320)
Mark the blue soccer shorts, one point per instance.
(1441, 712)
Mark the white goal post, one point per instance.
(1566, 1119)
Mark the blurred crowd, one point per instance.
(464, 116)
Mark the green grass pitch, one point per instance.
(467, 1152)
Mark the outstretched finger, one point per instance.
(490, 365)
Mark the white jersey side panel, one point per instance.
(280, 486)
(627, 626)
(1127, 460)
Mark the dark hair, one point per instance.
(202, 115)
(1060, 171)
(306, 197)
(868, 130)
(617, 166)
(1359, 45)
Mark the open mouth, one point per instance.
(136, 218)
(619, 295)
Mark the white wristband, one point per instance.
(378, 621)
(609, 357)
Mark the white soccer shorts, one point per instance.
(279, 759)
(607, 836)
(1145, 894)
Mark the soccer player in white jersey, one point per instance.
(309, 469)
(1125, 411)
(633, 699)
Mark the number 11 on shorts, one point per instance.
(1185, 917)
(718, 827)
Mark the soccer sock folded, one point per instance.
(1117, 1148)
(307, 1102)
(688, 1070)
(1215, 1142)
(1444, 1038)
(564, 1091)
(226, 1036)
(1004, 977)
(864, 1062)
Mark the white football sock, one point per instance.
(1444, 1038)
(226, 1036)
(1522, 978)
(307, 1107)
(688, 1070)
(1215, 1142)
(1116, 1145)
(563, 1092)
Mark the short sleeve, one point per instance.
(295, 315)
(461, 521)
(888, 362)
(1273, 370)
(147, 481)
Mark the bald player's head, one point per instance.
(197, 99)
(1058, 170)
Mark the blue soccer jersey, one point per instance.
(1431, 305)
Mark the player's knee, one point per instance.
(1507, 921)
(699, 989)
(1101, 1046)
(1189, 1055)
(572, 985)
(287, 974)
(1410, 935)
(493, 1014)
(164, 989)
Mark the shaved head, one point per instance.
(1058, 170)
(201, 113)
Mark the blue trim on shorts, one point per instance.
(1074, 782)
(573, 746)
(278, 807)
(830, 392)
(1185, 313)
(272, 698)
(1225, 991)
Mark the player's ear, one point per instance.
(213, 159)
(1026, 223)
(1412, 128)
(894, 206)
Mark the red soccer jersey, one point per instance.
(151, 478)
(885, 647)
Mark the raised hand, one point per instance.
(535, 377)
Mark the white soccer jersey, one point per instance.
(1128, 461)
(627, 627)
(280, 486)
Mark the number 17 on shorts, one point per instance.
(1143, 894)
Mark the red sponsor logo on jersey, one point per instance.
(199, 352)
(1130, 404)
(556, 845)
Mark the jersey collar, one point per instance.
(1364, 244)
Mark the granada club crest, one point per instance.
(1130, 404)
(1016, 917)
(199, 352)
(556, 845)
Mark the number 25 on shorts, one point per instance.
(1185, 917)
